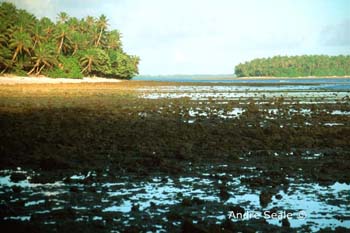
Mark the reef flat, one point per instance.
(158, 156)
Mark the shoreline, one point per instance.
(12, 80)
(270, 78)
(286, 78)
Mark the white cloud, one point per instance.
(39, 8)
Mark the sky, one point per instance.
(212, 36)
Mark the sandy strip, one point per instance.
(10, 80)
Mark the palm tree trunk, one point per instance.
(99, 38)
(84, 69)
(89, 65)
(40, 70)
(61, 44)
(32, 70)
(35, 66)
(15, 55)
(75, 49)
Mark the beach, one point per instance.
(12, 79)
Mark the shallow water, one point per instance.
(308, 203)
(230, 79)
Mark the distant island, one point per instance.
(295, 66)
(68, 48)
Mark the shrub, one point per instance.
(69, 68)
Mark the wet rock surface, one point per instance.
(102, 157)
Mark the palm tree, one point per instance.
(102, 25)
(32, 45)
(87, 61)
(62, 38)
(73, 24)
(8, 14)
(62, 17)
(79, 41)
(20, 41)
(44, 57)
(25, 19)
(90, 21)
(47, 27)
(37, 35)
(113, 40)
(5, 58)
(94, 60)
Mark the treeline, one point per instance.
(67, 48)
(295, 66)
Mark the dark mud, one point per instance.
(100, 158)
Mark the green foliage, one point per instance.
(44, 57)
(295, 66)
(62, 49)
(5, 58)
(94, 61)
(19, 72)
(68, 67)
(123, 66)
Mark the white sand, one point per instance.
(34, 80)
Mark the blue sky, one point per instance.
(212, 36)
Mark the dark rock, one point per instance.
(265, 198)
(51, 163)
(189, 227)
(197, 201)
(278, 196)
(164, 179)
(224, 195)
(153, 205)
(132, 229)
(237, 210)
(186, 202)
(16, 177)
(16, 189)
(74, 189)
(285, 222)
(135, 207)
(233, 156)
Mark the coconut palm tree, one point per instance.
(79, 41)
(47, 27)
(8, 14)
(113, 40)
(94, 60)
(87, 60)
(45, 57)
(102, 24)
(20, 41)
(74, 25)
(37, 35)
(90, 21)
(25, 20)
(32, 45)
(62, 17)
(5, 58)
(62, 37)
